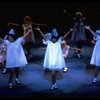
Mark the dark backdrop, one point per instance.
(49, 12)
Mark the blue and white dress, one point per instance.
(54, 59)
(15, 54)
(79, 33)
(95, 60)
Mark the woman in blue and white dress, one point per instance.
(78, 34)
(15, 56)
(53, 59)
(30, 39)
(95, 60)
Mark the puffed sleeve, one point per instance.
(45, 41)
(97, 33)
(20, 39)
(60, 40)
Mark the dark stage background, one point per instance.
(48, 12)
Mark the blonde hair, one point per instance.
(63, 42)
(79, 13)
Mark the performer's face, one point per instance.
(10, 38)
(53, 40)
(27, 21)
(78, 17)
